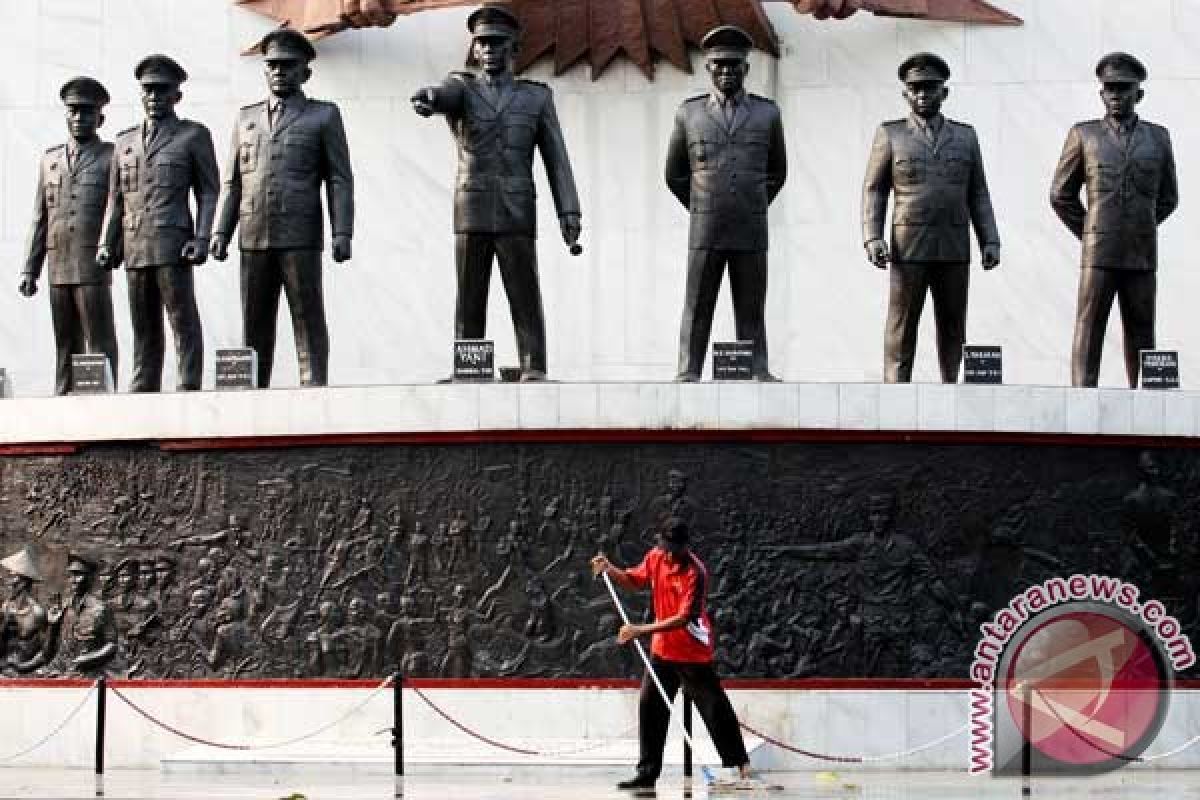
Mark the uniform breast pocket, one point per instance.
(1104, 178)
(1147, 175)
(957, 169)
(171, 173)
(910, 171)
(303, 151)
(519, 132)
(754, 145)
(93, 188)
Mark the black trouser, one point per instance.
(297, 273)
(747, 284)
(83, 323)
(701, 684)
(151, 289)
(473, 254)
(910, 281)
(1136, 292)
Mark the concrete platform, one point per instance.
(424, 756)
(467, 408)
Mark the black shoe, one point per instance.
(637, 782)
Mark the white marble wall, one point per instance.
(613, 314)
(840, 723)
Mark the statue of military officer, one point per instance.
(726, 162)
(158, 164)
(498, 122)
(84, 632)
(934, 168)
(284, 148)
(67, 214)
(1128, 167)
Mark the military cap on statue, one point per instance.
(286, 43)
(727, 42)
(83, 91)
(78, 562)
(1120, 68)
(924, 67)
(493, 21)
(22, 563)
(159, 69)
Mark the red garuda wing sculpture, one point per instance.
(599, 30)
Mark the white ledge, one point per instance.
(598, 406)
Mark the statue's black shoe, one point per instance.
(637, 782)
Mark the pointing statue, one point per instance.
(498, 122)
(284, 148)
(726, 162)
(933, 168)
(1127, 166)
(67, 215)
(159, 163)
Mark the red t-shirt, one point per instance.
(677, 588)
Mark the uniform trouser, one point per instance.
(473, 253)
(83, 323)
(151, 290)
(747, 284)
(298, 274)
(701, 684)
(1136, 292)
(910, 281)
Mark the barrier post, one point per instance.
(1027, 744)
(101, 698)
(687, 726)
(398, 729)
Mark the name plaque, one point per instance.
(983, 364)
(1160, 369)
(474, 360)
(90, 374)
(733, 361)
(237, 368)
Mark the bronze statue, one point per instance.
(67, 215)
(1128, 167)
(24, 624)
(934, 168)
(283, 149)
(726, 163)
(83, 634)
(498, 122)
(158, 164)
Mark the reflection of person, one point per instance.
(283, 149)
(68, 212)
(1128, 168)
(158, 164)
(726, 162)
(934, 168)
(682, 652)
(498, 122)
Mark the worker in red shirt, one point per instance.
(682, 652)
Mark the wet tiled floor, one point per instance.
(136, 784)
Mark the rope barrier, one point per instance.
(508, 747)
(248, 747)
(57, 730)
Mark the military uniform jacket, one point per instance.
(727, 175)
(67, 215)
(149, 189)
(1131, 190)
(940, 190)
(273, 180)
(497, 134)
